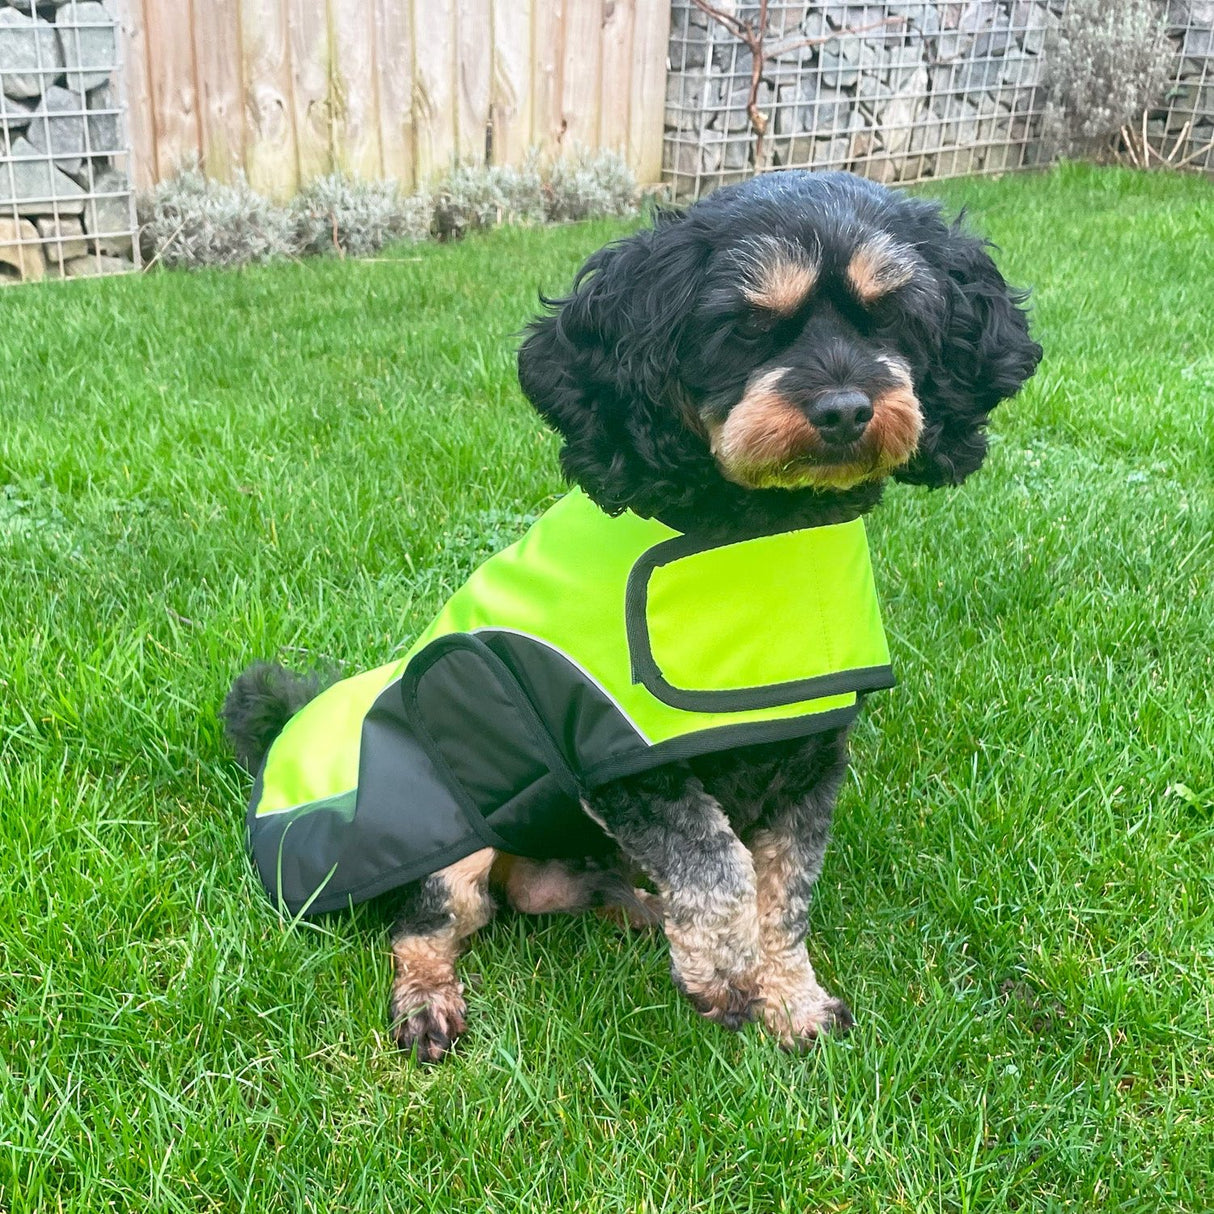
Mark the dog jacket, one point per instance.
(593, 648)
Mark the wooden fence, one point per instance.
(289, 89)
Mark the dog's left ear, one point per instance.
(985, 355)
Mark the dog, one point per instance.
(733, 387)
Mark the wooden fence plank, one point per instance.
(353, 91)
(220, 87)
(582, 74)
(289, 89)
(548, 67)
(647, 101)
(512, 71)
(311, 73)
(615, 37)
(137, 93)
(270, 128)
(171, 77)
(394, 64)
(474, 76)
(433, 88)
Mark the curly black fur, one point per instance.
(262, 700)
(652, 338)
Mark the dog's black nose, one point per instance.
(841, 417)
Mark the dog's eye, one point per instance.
(754, 325)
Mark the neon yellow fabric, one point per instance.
(764, 611)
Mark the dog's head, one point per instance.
(798, 332)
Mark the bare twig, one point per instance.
(753, 34)
(1184, 134)
(1205, 147)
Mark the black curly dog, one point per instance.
(765, 360)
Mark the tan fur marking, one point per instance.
(767, 442)
(781, 284)
(795, 1008)
(763, 429)
(878, 266)
(426, 1004)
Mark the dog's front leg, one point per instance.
(678, 836)
(788, 846)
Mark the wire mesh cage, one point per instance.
(1181, 130)
(66, 209)
(896, 91)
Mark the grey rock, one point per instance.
(63, 238)
(690, 98)
(737, 154)
(30, 56)
(840, 63)
(1002, 157)
(1185, 13)
(787, 19)
(970, 75)
(107, 215)
(89, 38)
(36, 187)
(689, 38)
(1198, 43)
(896, 117)
(823, 110)
(14, 115)
(94, 266)
(105, 135)
(57, 128)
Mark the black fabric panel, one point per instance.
(546, 823)
(582, 719)
(492, 743)
(404, 824)
(476, 724)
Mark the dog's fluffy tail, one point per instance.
(262, 700)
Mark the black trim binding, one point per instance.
(645, 669)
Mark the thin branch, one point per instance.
(1205, 147)
(753, 34)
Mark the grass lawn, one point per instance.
(304, 460)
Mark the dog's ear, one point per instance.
(600, 367)
(984, 355)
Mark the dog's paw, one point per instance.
(800, 1025)
(730, 1002)
(425, 1024)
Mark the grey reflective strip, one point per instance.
(530, 636)
(342, 801)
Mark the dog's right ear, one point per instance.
(600, 367)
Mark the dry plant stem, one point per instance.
(753, 35)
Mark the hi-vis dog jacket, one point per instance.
(591, 649)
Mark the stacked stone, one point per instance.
(65, 205)
(896, 91)
(1189, 113)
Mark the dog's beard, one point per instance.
(767, 442)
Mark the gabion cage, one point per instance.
(897, 91)
(66, 209)
(1182, 128)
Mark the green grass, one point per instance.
(303, 460)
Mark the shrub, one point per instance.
(588, 186)
(339, 214)
(1104, 65)
(481, 197)
(190, 221)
